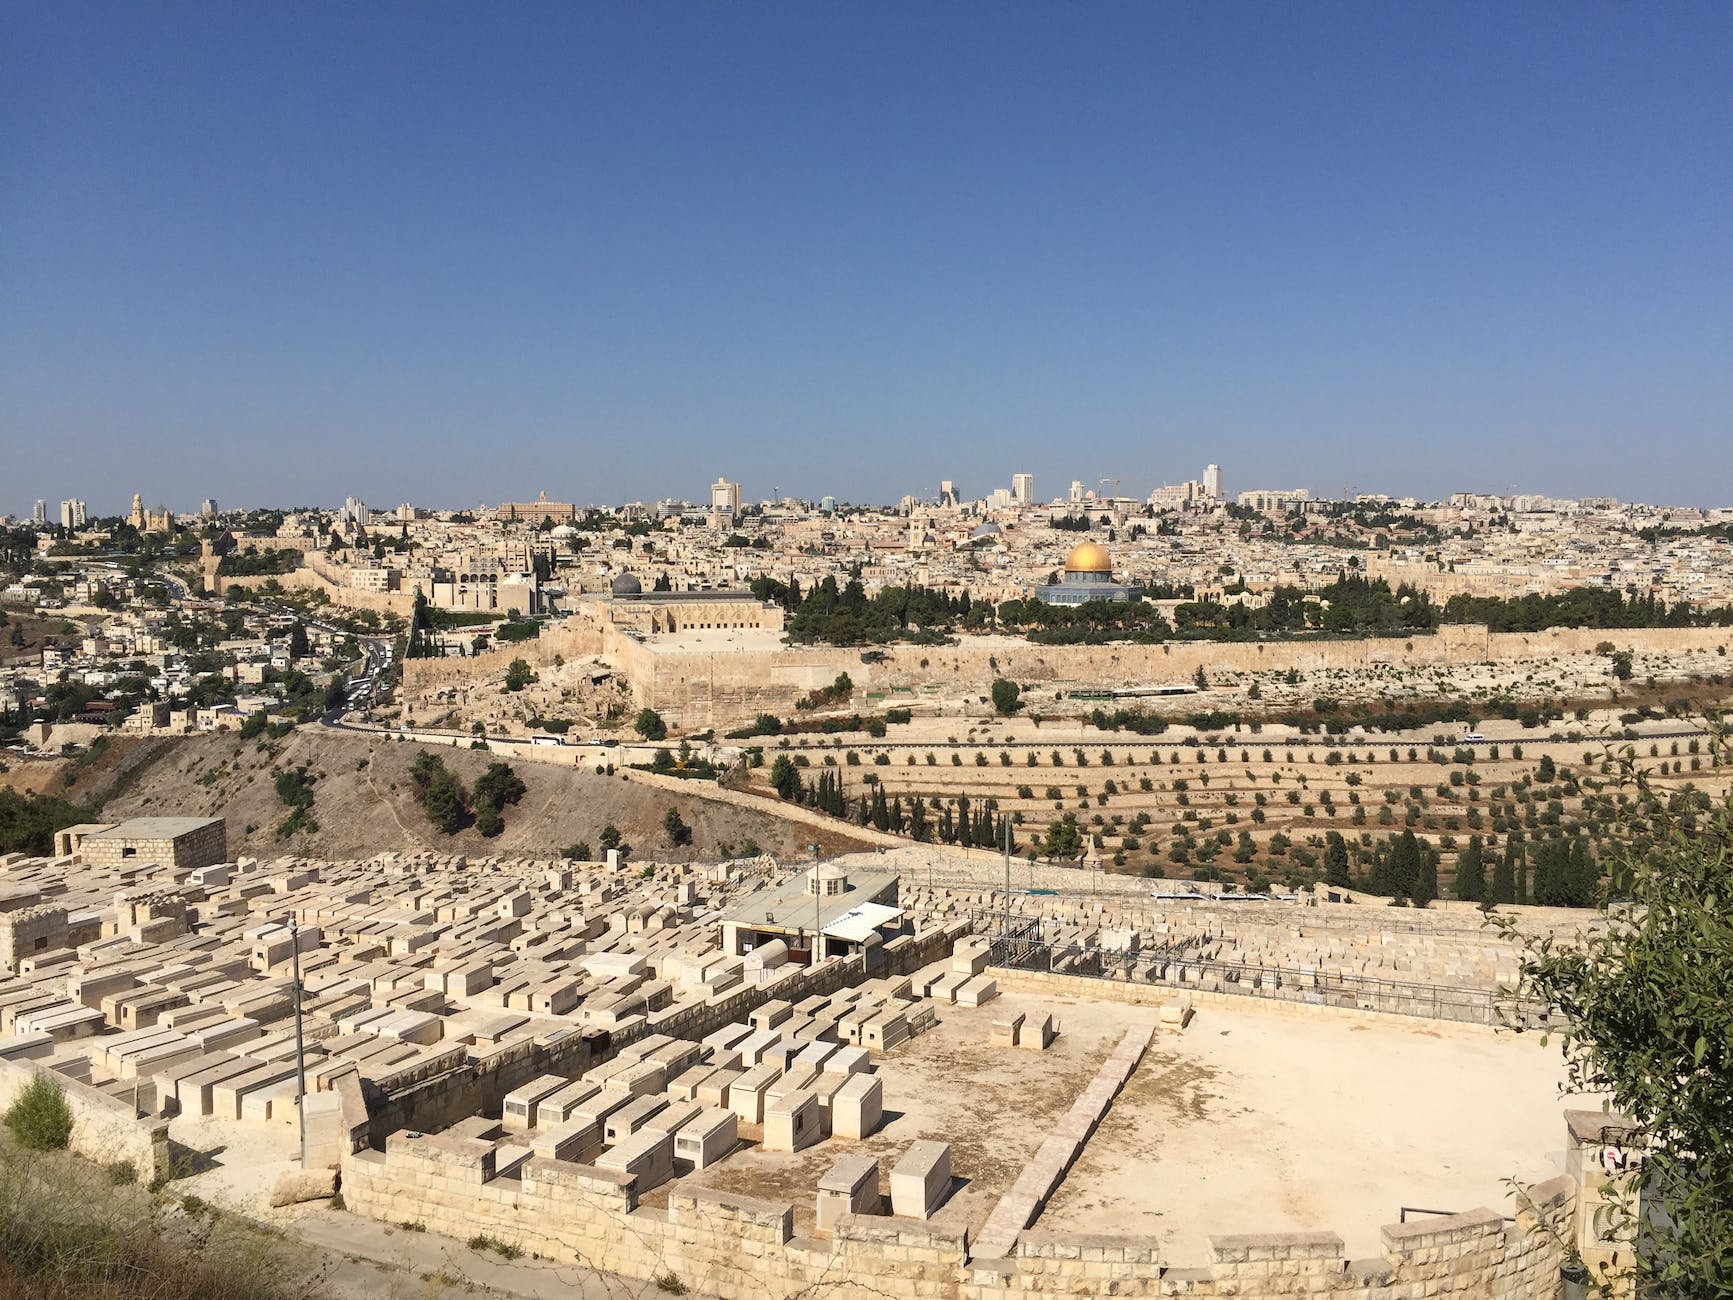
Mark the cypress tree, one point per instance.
(1503, 881)
(1404, 865)
(1426, 879)
(1471, 872)
(1336, 861)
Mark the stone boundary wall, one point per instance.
(745, 1249)
(697, 688)
(575, 637)
(104, 1128)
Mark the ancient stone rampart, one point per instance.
(699, 688)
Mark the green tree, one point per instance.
(1404, 868)
(650, 725)
(1425, 887)
(1471, 872)
(1646, 1020)
(1622, 665)
(1064, 841)
(610, 837)
(498, 786)
(785, 777)
(298, 646)
(1005, 696)
(488, 820)
(678, 832)
(447, 807)
(1336, 861)
(518, 675)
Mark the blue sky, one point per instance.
(460, 253)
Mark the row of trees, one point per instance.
(961, 822)
(1350, 605)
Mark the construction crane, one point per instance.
(1100, 483)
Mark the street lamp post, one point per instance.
(817, 908)
(300, 1055)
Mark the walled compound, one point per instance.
(577, 1059)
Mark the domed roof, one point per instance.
(626, 585)
(1089, 557)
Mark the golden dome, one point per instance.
(1089, 557)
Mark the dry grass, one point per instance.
(68, 1233)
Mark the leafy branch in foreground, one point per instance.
(1640, 1000)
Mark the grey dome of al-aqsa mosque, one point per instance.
(626, 585)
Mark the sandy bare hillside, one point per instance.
(363, 802)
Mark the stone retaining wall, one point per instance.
(104, 1128)
(744, 1249)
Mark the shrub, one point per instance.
(40, 1119)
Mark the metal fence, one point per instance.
(1179, 964)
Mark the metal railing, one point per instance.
(1176, 963)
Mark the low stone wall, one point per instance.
(737, 1247)
(104, 1128)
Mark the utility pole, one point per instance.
(817, 909)
(300, 1056)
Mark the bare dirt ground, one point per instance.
(1263, 1123)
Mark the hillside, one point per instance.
(363, 801)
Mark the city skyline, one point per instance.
(852, 253)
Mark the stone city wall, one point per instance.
(695, 688)
(738, 1247)
(104, 1128)
(699, 688)
(571, 638)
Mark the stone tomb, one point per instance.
(851, 1186)
(921, 1180)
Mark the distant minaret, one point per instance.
(138, 511)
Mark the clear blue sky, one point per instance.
(455, 253)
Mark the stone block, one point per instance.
(851, 1186)
(706, 1139)
(857, 1108)
(1038, 1035)
(647, 1155)
(921, 1180)
(792, 1122)
(978, 992)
